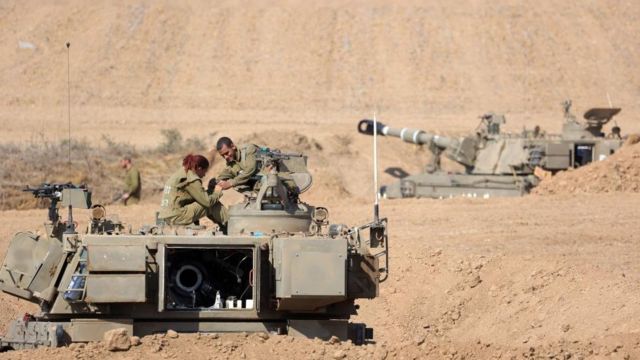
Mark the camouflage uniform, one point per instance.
(184, 201)
(241, 170)
(133, 185)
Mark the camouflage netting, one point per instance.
(618, 173)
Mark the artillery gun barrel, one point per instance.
(414, 136)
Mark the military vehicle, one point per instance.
(282, 267)
(497, 163)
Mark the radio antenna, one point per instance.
(376, 204)
(69, 99)
(609, 100)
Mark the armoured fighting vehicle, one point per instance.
(497, 163)
(282, 267)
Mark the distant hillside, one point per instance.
(426, 56)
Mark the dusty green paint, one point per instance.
(497, 163)
(289, 268)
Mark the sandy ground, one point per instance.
(477, 278)
(544, 276)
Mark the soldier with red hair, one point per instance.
(184, 200)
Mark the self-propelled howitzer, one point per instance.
(497, 163)
(282, 267)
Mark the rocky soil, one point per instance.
(541, 276)
(552, 275)
(618, 173)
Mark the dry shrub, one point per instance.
(95, 164)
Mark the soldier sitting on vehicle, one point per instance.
(241, 166)
(247, 165)
(185, 201)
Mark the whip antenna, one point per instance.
(69, 98)
(376, 204)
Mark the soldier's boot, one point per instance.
(218, 214)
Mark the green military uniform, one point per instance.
(241, 170)
(185, 201)
(133, 185)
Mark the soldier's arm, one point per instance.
(249, 167)
(197, 192)
(225, 174)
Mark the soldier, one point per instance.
(536, 133)
(132, 182)
(241, 165)
(184, 200)
(615, 133)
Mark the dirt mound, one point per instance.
(285, 141)
(618, 173)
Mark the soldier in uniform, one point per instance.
(241, 165)
(615, 133)
(132, 183)
(184, 200)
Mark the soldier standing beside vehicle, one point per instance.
(132, 182)
(241, 165)
(184, 200)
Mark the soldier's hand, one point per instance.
(225, 184)
(218, 188)
(212, 185)
(125, 196)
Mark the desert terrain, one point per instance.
(555, 274)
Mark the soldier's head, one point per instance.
(226, 148)
(196, 163)
(125, 162)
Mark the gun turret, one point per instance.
(595, 119)
(461, 150)
(290, 167)
(274, 194)
(69, 194)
